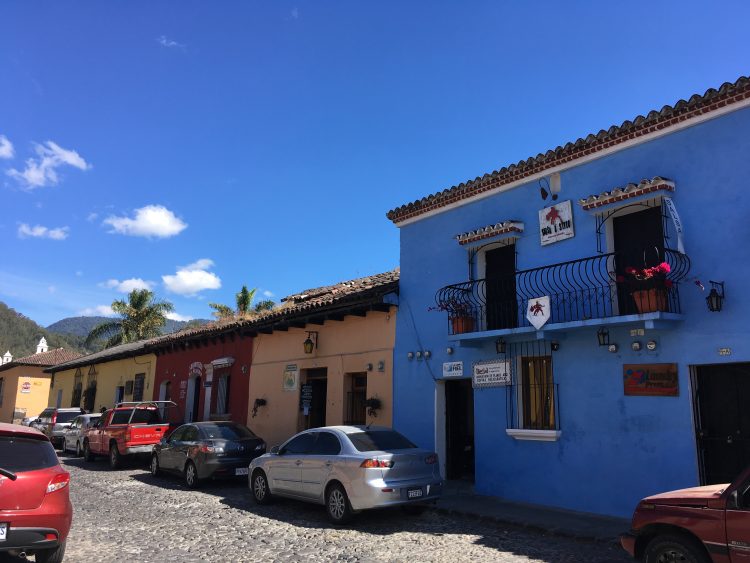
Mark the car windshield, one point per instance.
(226, 431)
(26, 454)
(379, 440)
(67, 416)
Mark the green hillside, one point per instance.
(20, 335)
(81, 326)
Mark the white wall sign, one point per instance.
(291, 377)
(556, 223)
(26, 387)
(453, 369)
(494, 373)
(537, 311)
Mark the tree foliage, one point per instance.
(20, 335)
(243, 300)
(140, 317)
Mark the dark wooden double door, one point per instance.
(721, 395)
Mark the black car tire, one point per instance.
(154, 466)
(191, 475)
(674, 547)
(337, 505)
(115, 459)
(53, 555)
(259, 487)
(87, 455)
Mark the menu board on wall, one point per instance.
(650, 380)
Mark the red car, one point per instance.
(35, 509)
(702, 524)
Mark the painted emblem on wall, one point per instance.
(556, 223)
(537, 311)
(290, 378)
(26, 387)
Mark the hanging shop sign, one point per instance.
(453, 369)
(291, 377)
(538, 311)
(650, 380)
(493, 373)
(556, 223)
(306, 398)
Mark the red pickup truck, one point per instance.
(128, 429)
(702, 524)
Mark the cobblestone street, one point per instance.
(128, 515)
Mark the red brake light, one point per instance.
(58, 482)
(54, 418)
(376, 463)
(431, 459)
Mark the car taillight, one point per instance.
(375, 463)
(54, 418)
(206, 449)
(58, 482)
(431, 459)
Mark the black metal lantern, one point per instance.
(715, 299)
(602, 335)
(309, 344)
(500, 346)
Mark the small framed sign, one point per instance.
(453, 369)
(494, 373)
(556, 223)
(658, 380)
(290, 378)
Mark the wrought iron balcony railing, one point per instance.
(588, 288)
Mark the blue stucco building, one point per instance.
(629, 384)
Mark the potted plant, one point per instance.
(648, 286)
(373, 404)
(460, 314)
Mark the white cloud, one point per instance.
(6, 147)
(98, 311)
(295, 13)
(42, 171)
(191, 279)
(177, 317)
(126, 286)
(39, 231)
(149, 221)
(169, 43)
(79, 273)
(268, 294)
(92, 217)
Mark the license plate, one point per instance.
(414, 493)
(241, 471)
(3, 532)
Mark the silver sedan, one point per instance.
(348, 469)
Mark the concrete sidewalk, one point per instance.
(459, 498)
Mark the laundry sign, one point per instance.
(556, 223)
(493, 373)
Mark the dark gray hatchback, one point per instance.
(204, 450)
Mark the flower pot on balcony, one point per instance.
(650, 300)
(461, 325)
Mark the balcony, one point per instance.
(584, 292)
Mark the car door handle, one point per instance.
(298, 462)
(329, 463)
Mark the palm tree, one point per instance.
(243, 299)
(141, 317)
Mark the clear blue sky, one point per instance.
(263, 142)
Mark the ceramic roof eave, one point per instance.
(711, 105)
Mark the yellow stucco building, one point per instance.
(24, 387)
(100, 380)
(325, 359)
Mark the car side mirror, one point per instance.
(275, 450)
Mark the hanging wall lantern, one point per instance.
(602, 335)
(500, 346)
(311, 342)
(715, 298)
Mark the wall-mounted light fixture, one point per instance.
(500, 346)
(554, 345)
(311, 342)
(550, 186)
(449, 350)
(381, 365)
(715, 298)
(602, 336)
(368, 367)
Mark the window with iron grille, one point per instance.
(77, 389)
(532, 397)
(356, 412)
(222, 395)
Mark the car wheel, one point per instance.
(115, 459)
(667, 548)
(87, 455)
(78, 449)
(191, 475)
(259, 486)
(154, 467)
(337, 505)
(54, 555)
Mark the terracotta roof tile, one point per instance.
(712, 100)
(49, 358)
